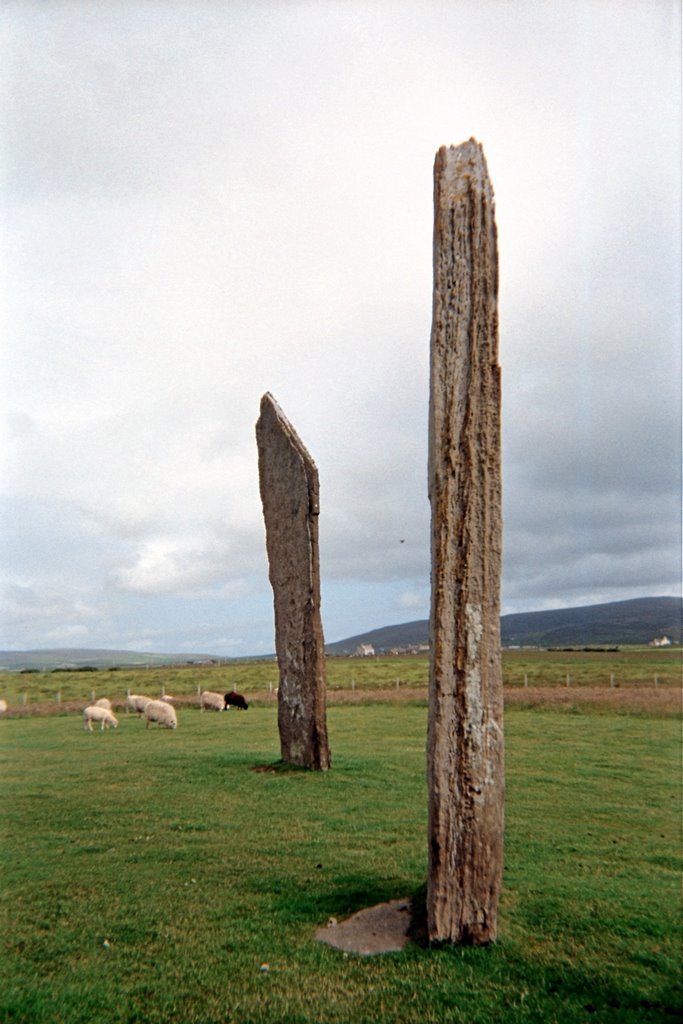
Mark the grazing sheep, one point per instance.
(98, 714)
(3, 706)
(210, 700)
(103, 702)
(136, 702)
(162, 713)
(235, 700)
(167, 697)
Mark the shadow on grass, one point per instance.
(418, 917)
(320, 896)
(280, 768)
(592, 994)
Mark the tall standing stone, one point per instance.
(288, 480)
(465, 733)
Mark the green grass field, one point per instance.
(147, 876)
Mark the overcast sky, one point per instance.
(205, 201)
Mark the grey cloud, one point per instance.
(52, 540)
(613, 439)
(98, 99)
(45, 616)
(194, 565)
(204, 202)
(590, 545)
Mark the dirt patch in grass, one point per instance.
(384, 928)
(648, 699)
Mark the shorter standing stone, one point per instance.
(288, 480)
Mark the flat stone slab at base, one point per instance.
(380, 929)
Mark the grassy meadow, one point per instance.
(156, 877)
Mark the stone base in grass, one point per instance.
(381, 929)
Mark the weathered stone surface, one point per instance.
(289, 486)
(465, 738)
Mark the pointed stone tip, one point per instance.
(270, 406)
(271, 413)
(268, 400)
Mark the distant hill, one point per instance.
(82, 659)
(407, 634)
(620, 622)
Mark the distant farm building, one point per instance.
(661, 641)
(411, 649)
(364, 651)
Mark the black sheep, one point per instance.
(235, 700)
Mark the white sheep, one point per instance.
(162, 713)
(3, 706)
(103, 702)
(97, 714)
(210, 700)
(167, 697)
(136, 702)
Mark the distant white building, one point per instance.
(661, 641)
(364, 651)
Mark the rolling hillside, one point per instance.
(81, 659)
(624, 622)
(621, 622)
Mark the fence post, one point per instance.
(656, 681)
(611, 678)
(568, 679)
(526, 679)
